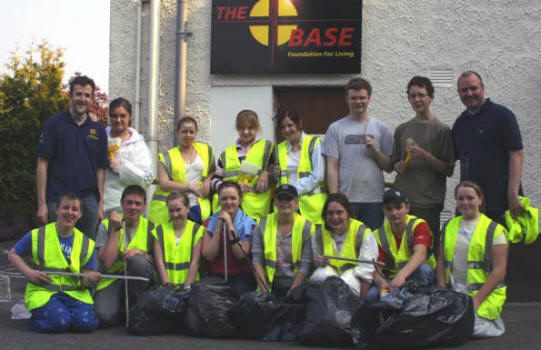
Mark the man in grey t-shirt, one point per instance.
(357, 148)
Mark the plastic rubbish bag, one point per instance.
(158, 311)
(19, 312)
(329, 309)
(208, 307)
(262, 316)
(425, 316)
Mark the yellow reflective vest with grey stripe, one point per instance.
(47, 255)
(176, 170)
(311, 203)
(142, 240)
(177, 257)
(479, 262)
(355, 235)
(301, 231)
(397, 257)
(254, 204)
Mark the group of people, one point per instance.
(272, 216)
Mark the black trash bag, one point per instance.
(208, 307)
(430, 316)
(158, 311)
(262, 316)
(329, 309)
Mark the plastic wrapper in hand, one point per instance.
(208, 308)
(262, 316)
(329, 309)
(427, 316)
(158, 311)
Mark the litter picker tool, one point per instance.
(72, 274)
(126, 291)
(225, 239)
(372, 262)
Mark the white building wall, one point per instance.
(401, 38)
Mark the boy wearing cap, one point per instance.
(282, 246)
(405, 246)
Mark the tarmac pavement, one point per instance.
(522, 320)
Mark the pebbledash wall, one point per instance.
(501, 39)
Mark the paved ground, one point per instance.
(523, 322)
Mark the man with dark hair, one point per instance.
(72, 156)
(357, 148)
(489, 145)
(119, 244)
(423, 156)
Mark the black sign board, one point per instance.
(286, 36)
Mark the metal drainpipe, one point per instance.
(154, 75)
(137, 102)
(180, 64)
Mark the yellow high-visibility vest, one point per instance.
(142, 240)
(176, 169)
(311, 203)
(254, 204)
(479, 262)
(352, 244)
(47, 256)
(301, 231)
(178, 257)
(397, 257)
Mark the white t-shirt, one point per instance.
(293, 159)
(360, 179)
(193, 173)
(463, 239)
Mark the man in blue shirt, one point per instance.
(489, 145)
(72, 156)
(58, 303)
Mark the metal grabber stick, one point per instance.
(126, 291)
(226, 241)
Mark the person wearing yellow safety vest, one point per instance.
(229, 260)
(247, 162)
(342, 236)
(282, 245)
(119, 244)
(187, 168)
(300, 164)
(472, 259)
(177, 245)
(405, 247)
(58, 303)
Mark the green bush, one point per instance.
(30, 92)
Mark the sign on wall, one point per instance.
(286, 36)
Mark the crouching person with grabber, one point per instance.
(338, 244)
(124, 247)
(58, 301)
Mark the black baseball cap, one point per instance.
(394, 194)
(286, 192)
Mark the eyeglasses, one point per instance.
(420, 96)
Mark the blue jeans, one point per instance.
(424, 274)
(88, 223)
(371, 214)
(63, 313)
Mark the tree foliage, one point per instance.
(30, 92)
